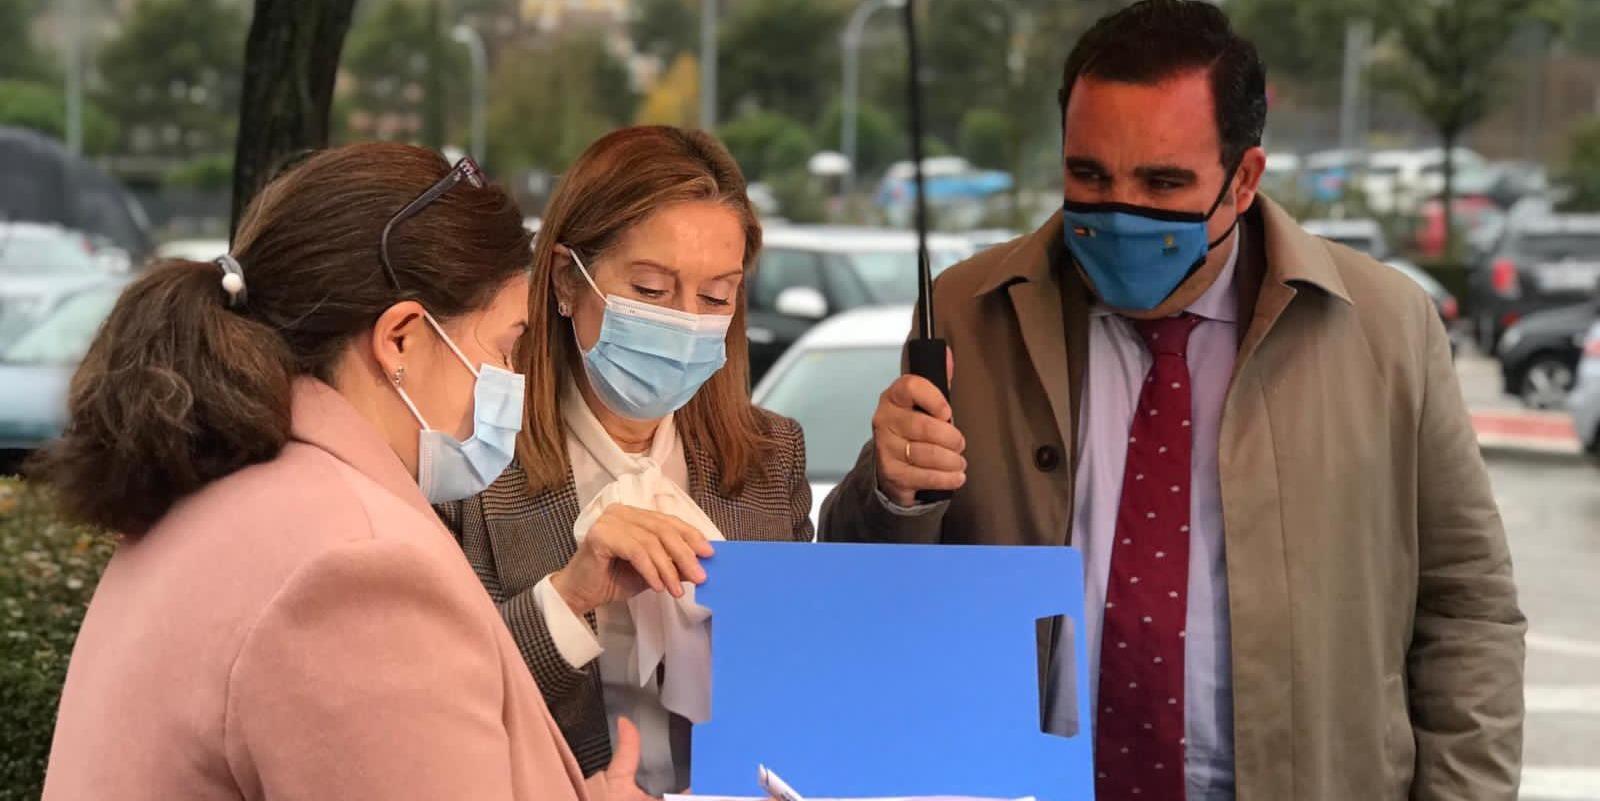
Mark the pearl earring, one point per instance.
(399, 374)
(564, 308)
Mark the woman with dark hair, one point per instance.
(285, 618)
(640, 446)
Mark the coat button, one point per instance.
(1047, 458)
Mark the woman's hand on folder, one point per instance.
(627, 550)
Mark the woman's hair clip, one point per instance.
(232, 280)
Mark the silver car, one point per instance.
(39, 265)
(830, 381)
(36, 369)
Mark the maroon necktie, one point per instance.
(1139, 734)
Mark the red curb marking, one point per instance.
(1537, 426)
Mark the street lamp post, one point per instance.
(75, 77)
(1352, 138)
(851, 42)
(480, 79)
(708, 64)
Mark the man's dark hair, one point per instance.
(1153, 40)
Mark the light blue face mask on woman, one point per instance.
(649, 361)
(449, 469)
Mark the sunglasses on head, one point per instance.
(465, 170)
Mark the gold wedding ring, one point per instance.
(908, 454)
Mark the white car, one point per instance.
(1398, 180)
(830, 382)
(1585, 398)
(36, 368)
(40, 264)
(1364, 234)
(192, 249)
(810, 272)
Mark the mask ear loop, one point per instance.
(1218, 204)
(449, 342)
(406, 398)
(585, 271)
(573, 320)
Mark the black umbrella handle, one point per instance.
(926, 358)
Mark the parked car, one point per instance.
(1585, 398)
(1362, 233)
(1475, 215)
(1367, 236)
(985, 238)
(1396, 180)
(1539, 355)
(808, 273)
(830, 382)
(39, 264)
(1540, 263)
(192, 249)
(1282, 174)
(36, 368)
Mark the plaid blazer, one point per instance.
(514, 538)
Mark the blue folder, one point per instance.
(889, 670)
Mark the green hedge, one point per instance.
(48, 571)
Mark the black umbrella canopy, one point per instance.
(40, 181)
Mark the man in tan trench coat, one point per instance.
(1317, 603)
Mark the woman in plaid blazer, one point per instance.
(650, 224)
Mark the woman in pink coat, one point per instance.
(285, 617)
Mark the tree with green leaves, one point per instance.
(969, 62)
(665, 29)
(780, 56)
(986, 137)
(20, 58)
(1301, 42)
(1582, 31)
(1582, 168)
(548, 103)
(171, 77)
(880, 138)
(402, 66)
(1445, 59)
(766, 143)
(43, 108)
(1017, 49)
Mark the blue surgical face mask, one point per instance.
(1135, 257)
(449, 469)
(648, 360)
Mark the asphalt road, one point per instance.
(1551, 507)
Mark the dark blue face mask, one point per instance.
(1135, 257)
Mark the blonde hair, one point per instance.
(620, 180)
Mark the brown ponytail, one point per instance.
(175, 391)
(179, 389)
